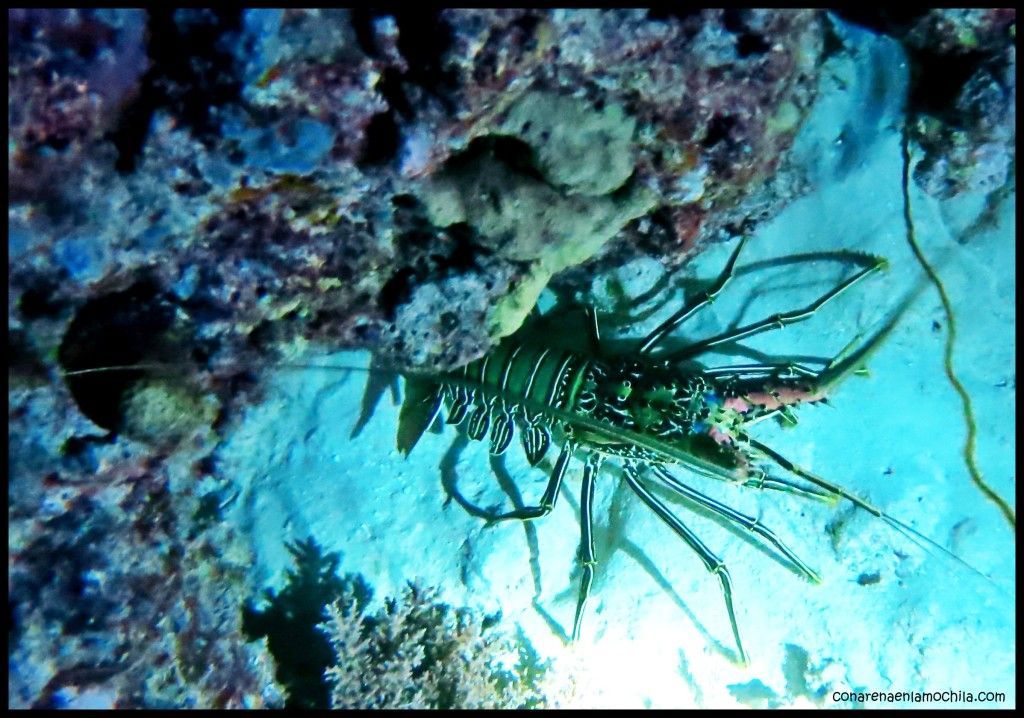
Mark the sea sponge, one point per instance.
(161, 412)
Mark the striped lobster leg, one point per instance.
(550, 497)
(587, 556)
(711, 562)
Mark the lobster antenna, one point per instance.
(924, 543)
(170, 367)
(120, 367)
(178, 367)
(847, 363)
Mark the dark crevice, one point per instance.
(527, 26)
(405, 201)
(937, 79)
(663, 14)
(428, 253)
(382, 140)
(466, 251)
(390, 88)
(206, 466)
(894, 20)
(733, 20)
(38, 301)
(113, 330)
(515, 154)
(750, 43)
(718, 130)
(832, 42)
(78, 454)
(264, 335)
(361, 19)
(424, 39)
(396, 291)
(747, 42)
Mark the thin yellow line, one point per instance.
(972, 430)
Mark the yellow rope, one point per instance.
(972, 430)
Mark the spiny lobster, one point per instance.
(650, 410)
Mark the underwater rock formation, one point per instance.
(71, 74)
(963, 93)
(282, 180)
(124, 584)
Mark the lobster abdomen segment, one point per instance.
(521, 374)
(514, 382)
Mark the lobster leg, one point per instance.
(748, 522)
(547, 501)
(776, 321)
(688, 310)
(588, 559)
(711, 562)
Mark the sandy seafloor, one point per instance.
(887, 617)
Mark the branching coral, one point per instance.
(416, 652)
(420, 653)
